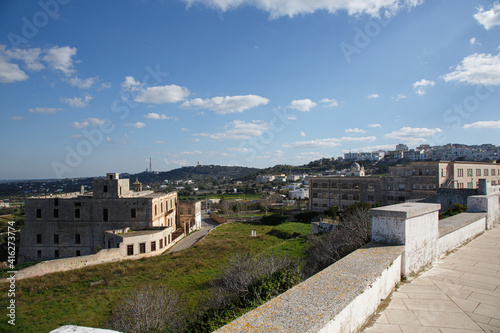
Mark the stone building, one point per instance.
(190, 215)
(112, 216)
(418, 180)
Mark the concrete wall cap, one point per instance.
(405, 210)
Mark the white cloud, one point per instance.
(137, 125)
(9, 72)
(130, 83)
(354, 130)
(77, 102)
(370, 148)
(411, 135)
(374, 126)
(227, 104)
(239, 130)
(420, 87)
(176, 162)
(489, 18)
(96, 121)
(291, 118)
(373, 96)
(157, 116)
(238, 149)
(303, 105)
(310, 155)
(484, 124)
(82, 84)
(159, 142)
(80, 125)
(60, 58)
(46, 110)
(302, 134)
(29, 56)
(16, 118)
(473, 41)
(327, 143)
(295, 7)
(331, 102)
(399, 97)
(162, 94)
(184, 129)
(108, 139)
(478, 69)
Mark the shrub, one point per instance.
(273, 219)
(306, 217)
(353, 231)
(148, 309)
(453, 210)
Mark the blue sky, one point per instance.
(91, 87)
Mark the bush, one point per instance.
(148, 309)
(454, 210)
(283, 234)
(306, 217)
(352, 232)
(247, 281)
(273, 219)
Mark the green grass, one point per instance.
(86, 296)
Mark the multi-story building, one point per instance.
(77, 224)
(417, 180)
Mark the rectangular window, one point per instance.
(460, 172)
(39, 254)
(38, 213)
(345, 196)
(39, 238)
(420, 172)
(77, 213)
(470, 173)
(315, 185)
(356, 186)
(324, 185)
(78, 253)
(56, 254)
(371, 198)
(153, 246)
(133, 213)
(56, 202)
(161, 243)
(401, 199)
(334, 185)
(478, 172)
(156, 210)
(130, 250)
(105, 216)
(355, 197)
(56, 239)
(56, 213)
(77, 239)
(493, 172)
(105, 189)
(189, 211)
(486, 172)
(371, 186)
(142, 248)
(345, 185)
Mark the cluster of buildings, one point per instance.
(113, 215)
(449, 152)
(281, 178)
(415, 181)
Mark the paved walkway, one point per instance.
(460, 293)
(207, 224)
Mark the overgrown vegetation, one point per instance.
(453, 210)
(352, 232)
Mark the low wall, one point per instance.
(458, 229)
(68, 264)
(338, 299)
(217, 218)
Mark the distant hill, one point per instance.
(200, 172)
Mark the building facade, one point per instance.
(77, 224)
(415, 181)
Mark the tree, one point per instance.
(268, 202)
(148, 309)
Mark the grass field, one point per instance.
(86, 296)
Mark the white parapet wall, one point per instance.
(485, 203)
(414, 225)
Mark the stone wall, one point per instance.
(343, 297)
(217, 218)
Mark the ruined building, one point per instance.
(138, 223)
